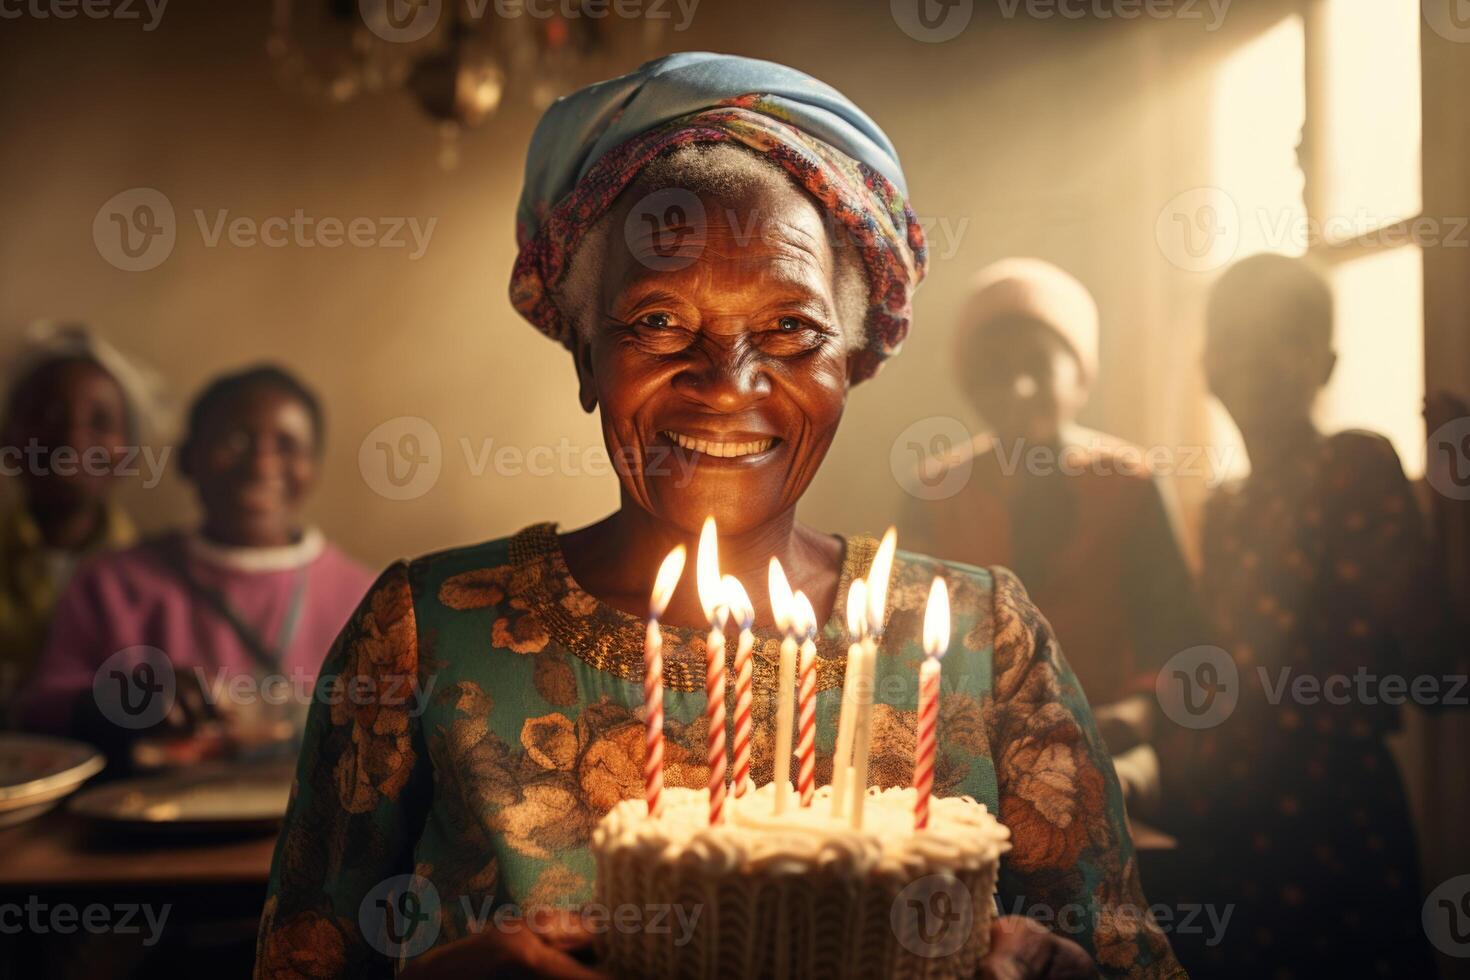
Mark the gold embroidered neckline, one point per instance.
(611, 639)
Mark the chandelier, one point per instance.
(457, 59)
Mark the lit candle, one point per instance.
(936, 641)
(806, 742)
(847, 718)
(877, 599)
(653, 681)
(744, 614)
(781, 608)
(707, 577)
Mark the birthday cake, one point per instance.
(801, 894)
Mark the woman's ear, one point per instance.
(586, 383)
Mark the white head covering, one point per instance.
(1039, 290)
(151, 410)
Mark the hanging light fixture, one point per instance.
(457, 60)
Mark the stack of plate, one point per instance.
(37, 772)
(220, 798)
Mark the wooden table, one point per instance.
(58, 850)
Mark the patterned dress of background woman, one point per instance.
(1295, 813)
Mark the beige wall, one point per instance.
(1020, 137)
(1044, 138)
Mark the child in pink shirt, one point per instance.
(252, 596)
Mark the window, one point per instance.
(1342, 78)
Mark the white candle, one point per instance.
(781, 609)
(862, 729)
(847, 718)
(877, 599)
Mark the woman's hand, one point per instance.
(1023, 949)
(543, 948)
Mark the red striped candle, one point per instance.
(936, 641)
(805, 620)
(714, 692)
(653, 682)
(744, 615)
(707, 578)
(782, 610)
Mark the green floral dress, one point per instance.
(481, 712)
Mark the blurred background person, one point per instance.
(1315, 565)
(1073, 511)
(251, 591)
(75, 410)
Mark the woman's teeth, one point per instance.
(723, 450)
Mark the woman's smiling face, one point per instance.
(716, 351)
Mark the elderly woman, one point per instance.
(1085, 525)
(725, 248)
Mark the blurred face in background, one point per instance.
(721, 383)
(73, 414)
(1024, 380)
(253, 460)
(1266, 374)
(1268, 345)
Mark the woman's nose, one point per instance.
(265, 458)
(727, 379)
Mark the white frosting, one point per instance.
(797, 895)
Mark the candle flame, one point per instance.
(707, 574)
(936, 620)
(878, 575)
(737, 602)
(667, 578)
(781, 598)
(803, 618)
(857, 598)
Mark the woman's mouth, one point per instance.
(720, 448)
